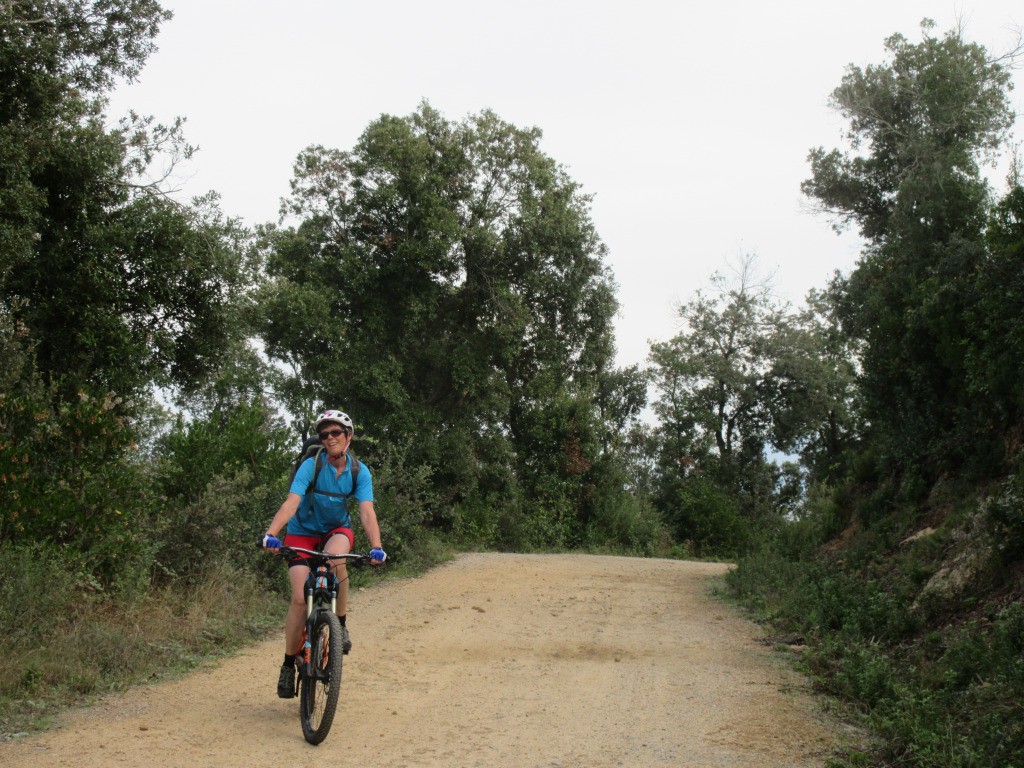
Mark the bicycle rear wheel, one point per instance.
(319, 690)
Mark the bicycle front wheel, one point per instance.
(319, 690)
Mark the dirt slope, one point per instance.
(493, 660)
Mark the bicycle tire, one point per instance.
(319, 691)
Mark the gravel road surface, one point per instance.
(491, 660)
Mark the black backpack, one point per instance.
(313, 447)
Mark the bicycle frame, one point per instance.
(321, 583)
(321, 588)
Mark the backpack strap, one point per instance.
(356, 464)
(318, 464)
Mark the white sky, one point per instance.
(689, 124)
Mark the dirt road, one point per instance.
(493, 660)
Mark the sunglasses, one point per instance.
(332, 433)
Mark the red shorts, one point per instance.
(315, 542)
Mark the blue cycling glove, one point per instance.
(378, 555)
(271, 542)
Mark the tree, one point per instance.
(812, 389)
(995, 356)
(920, 127)
(747, 378)
(716, 423)
(444, 280)
(117, 285)
(712, 376)
(925, 119)
(55, 58)
(107, 286)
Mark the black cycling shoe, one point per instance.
(286, 682)
(346, 641)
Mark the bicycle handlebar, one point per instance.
(356, 558)
(353, 557)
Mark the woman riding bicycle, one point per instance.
(317, 517)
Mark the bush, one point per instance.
(939, 680)
(245, 435)
(707, 517)
(770, 585)
(1004, 512)
(403, 499)
(68, 640)
(475, 523)
(27, 573)
(546, 524)
(67, 478)
(222, 479)
(628, 524)
(191, 538)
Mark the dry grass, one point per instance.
(86, 645)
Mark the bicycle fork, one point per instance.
(321, 585)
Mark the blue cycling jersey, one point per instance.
(325, 507)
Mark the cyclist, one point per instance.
(319, 520)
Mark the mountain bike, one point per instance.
(319, 661)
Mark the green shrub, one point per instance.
(67, 640)
(938, 681)
(1004, 512)
(475, 523)
(221, 524)
(544, 525)
(192, 453)
(66, 477)
(823, 516)
(709, 518)
(403, 498)
(29, 604)
(628, 524)
(773, 587)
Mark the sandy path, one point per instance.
(493, 660)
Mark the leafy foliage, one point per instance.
(98, 267)
(902, 571)
(107, 287)
(920, 127)
(452, 271)
(745, 377)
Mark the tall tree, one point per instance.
(718, 387)
(445, 280)
(107, 287)
(747, 378)
(812, 390)
(921, 125)
(116, 285)
(712, 376)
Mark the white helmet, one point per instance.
(338, 417)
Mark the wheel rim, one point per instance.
(320, 688)
(320, 682)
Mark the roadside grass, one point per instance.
(929, 686)
(88, 645)
(66, 647)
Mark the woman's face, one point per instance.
(334, 438)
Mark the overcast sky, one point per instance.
(689, 124)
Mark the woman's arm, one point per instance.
(368, 519)
(284, 514)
